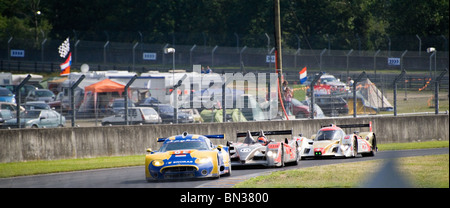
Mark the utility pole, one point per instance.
(278, 54)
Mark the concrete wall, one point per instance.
(82, 142)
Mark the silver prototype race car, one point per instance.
(332, 141)
(264, 151)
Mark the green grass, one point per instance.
(55, 166)
(421, 172)
(424, 172)
(413, 145)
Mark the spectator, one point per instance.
(349, 82)
(208, 70)
(287, 97)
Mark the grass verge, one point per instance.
(55, 166)
(421, 172)
(413, 145)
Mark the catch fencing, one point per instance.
(415, 90)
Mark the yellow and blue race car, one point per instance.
(187, 156)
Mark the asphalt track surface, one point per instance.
(134, 177)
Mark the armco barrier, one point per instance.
(82, 142)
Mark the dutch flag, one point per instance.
(65, 67)
(303, 75)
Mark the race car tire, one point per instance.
(282, 156)
(355, 147)
(229, 172)
(218, 166)
(229, 167)
(374, 150)
(297, 155)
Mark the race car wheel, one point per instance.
(218, 166)
(282, 156)
(355, 148)
(374, 150)
(229, 172)
(297, 154)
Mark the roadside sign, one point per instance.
(17, 53)
(394, 61)
(270, 59)
(149, 56)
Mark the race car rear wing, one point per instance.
(256, 133)
(352, 125)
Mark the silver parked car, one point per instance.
(38, 119)
(136, 115)
(40, 95)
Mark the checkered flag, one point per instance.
(64, 48)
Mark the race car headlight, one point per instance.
(157, 163)
(203, 160)
(271, 154)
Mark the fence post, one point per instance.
(190, 54)
(354, 91)
(72, 97)
(212, 55)
(400, 76)
(240, 57)
(24, 81)
(420, 44)
(311, 89)
(42, 49)
(104, 51)
(321, 54)
(401, 59)
(134, 54)
(374, 63)
(76, 51)
(348, 54)
(295, 57)
(125, 98)
(436, 91)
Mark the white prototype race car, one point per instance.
(332, 141)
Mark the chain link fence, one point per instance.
(156, 96)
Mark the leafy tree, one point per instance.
(343, 24)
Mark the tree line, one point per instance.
(345, 23)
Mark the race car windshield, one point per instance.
(182, 145)
(327, 135)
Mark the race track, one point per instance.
(133, 177)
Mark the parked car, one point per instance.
(40, 95)
(166, 112)
(332, 105)
(136, 115)
(23, 91)
(38, 119)
(119, 104)
(301, 109)
(7, 96)
(35, 105)
(335, 85)
(148, 102)
(4, 116)
(194, 113)
(10, 106)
